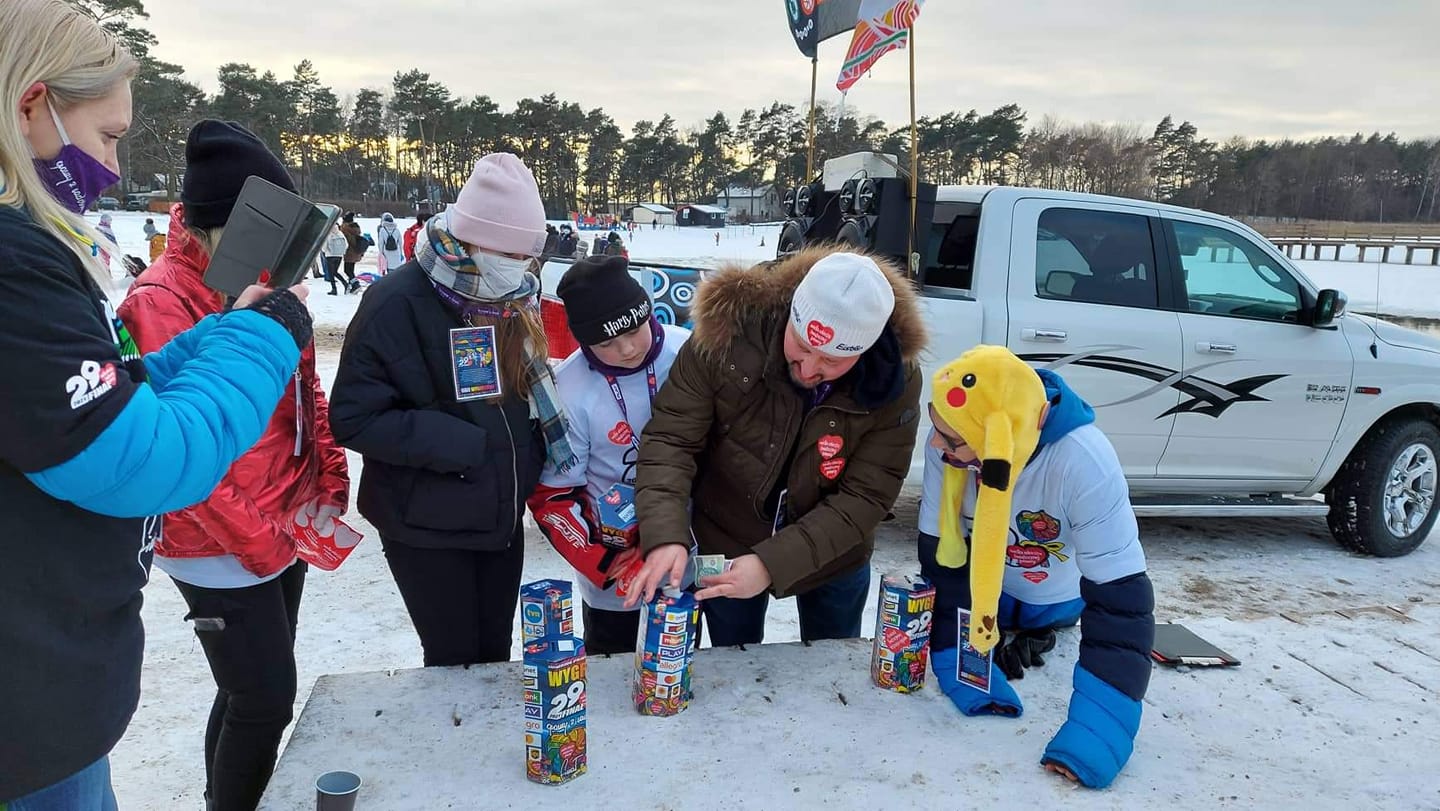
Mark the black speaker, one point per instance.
(878, 216)
(815, 217)
(792, 238)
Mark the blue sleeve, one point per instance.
(167, 449)
(161, 366)
(1117, 631)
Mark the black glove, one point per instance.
(290, 312)
(1022, 649)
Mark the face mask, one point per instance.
(500, 275)
(75, 179)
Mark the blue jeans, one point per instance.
(829, 611)
(85, 790)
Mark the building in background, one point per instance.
(758, 204)
(648, 213)
(699, 215)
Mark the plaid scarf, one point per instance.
(452, 271)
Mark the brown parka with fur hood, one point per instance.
(729, 423)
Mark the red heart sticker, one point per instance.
(896, 639)
(830, 445)
(818, 334)
(613, 497)
(1027, 557)
(832, 469)
(107, 374)
(622, 434)
(1036, 577)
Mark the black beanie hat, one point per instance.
(219, 157)
(601, 300)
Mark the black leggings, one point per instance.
(462, 602)
(252, 659)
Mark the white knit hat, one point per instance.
(842, 305)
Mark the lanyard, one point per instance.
(620, 399)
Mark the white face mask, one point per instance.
(500, 275)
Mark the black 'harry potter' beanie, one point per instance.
(601, 300)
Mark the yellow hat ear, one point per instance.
(951, 551)
(997, 457)
(992, 530)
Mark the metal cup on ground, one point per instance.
(336, 791)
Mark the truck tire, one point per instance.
(1382, 500)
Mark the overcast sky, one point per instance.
(1258, 68)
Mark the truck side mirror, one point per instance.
(1329, 305)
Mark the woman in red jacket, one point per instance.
(233, 556)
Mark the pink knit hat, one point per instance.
(499, 210)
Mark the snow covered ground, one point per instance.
(1293, 710)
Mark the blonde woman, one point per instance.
(96, 439)
(444, 388)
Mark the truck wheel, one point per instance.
(1382, 500)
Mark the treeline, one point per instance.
(415, 139)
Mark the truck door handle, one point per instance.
(1222, 349)
(1058, 336)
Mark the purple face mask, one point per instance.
(74, 178)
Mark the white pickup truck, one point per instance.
(1229, 384)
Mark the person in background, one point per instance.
(552, 240)
(99, 441)
(332, 254)
(107, 230)
(607, 386)
(233, 556)
(354, 252)
(156, 240)
(445, 390)
(568, 243)
(415, 230)
(150, 229)
(387, 239)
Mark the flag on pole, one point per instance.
(883, 26)
(814, 21)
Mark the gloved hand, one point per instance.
(1022, 649)
(1001, 700)
(320, 516)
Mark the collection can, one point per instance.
(547, 609)
(555, 677)
(664, 653)
(902, 632)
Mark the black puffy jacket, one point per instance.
(439, 474)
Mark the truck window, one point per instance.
(950, 256)
(1226, 274)
(1100, 257)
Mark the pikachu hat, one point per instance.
(995, 402)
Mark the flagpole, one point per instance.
(810, 158)
(914, 163)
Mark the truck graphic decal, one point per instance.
(1207, 397)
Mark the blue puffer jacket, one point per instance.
(88, 450)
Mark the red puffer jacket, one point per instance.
(249, 512)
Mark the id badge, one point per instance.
(475, 363)
(781, 512)
(972, 667)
